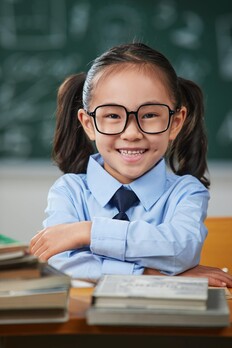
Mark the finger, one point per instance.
(44, 256)
(216, 282)
(40, 239)
(224, 278)
(40, 245)
(35, 239)
(228, 280)
(40, 251)
(33, 247)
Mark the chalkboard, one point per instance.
(43, 41)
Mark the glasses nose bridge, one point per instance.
(135, 113)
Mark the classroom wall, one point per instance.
(24, 187)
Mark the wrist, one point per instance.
(86, 232)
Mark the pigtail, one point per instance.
(71, 146)
(187, 153)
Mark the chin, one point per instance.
(129, 178)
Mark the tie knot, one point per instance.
(123, 199)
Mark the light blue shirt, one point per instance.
(166, 230)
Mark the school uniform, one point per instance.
(166, 230)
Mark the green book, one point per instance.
(5, 240)
(11, 248)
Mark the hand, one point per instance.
(56, 239)
(151, 271)
(216, 276)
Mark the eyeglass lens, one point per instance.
(111, 119)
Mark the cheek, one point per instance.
(160, 141)
(103, 142)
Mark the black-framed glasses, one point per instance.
(110, 119)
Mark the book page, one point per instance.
(153, 286)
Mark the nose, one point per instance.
(132, 131)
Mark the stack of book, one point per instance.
(31, 291)
(157, 301)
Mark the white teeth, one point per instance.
(130, 152)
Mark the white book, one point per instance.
(216, 314)
(145, 291)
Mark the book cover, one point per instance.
(34, 316)
(49, 278)
(8, 243)
(18, 262)
(151, 292)
(216, 314)
(11, 248)
(24, 267)
(34, 299)
(26, 272)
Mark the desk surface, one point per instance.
(76, 325)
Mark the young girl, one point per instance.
(148, 127)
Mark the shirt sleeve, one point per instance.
(82, 264)
(172, 246)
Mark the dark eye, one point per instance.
(150, 115)
(112, 116)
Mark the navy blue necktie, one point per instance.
(123, 199)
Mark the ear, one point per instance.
(87, 123)
(177, 122)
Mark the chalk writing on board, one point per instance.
(165, 15)
(224, 44)
(190, 34)
(80, 20)
(43, 41)
(114, 22)
(224, 134)
(42, 26)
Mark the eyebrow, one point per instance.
(144, 103)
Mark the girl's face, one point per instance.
(132, 153)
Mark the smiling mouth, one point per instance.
(131, 152)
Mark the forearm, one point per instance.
(66, 246)
(56, 239)
(166, 248)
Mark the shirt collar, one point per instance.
(148, 187)
(151, 186)
(102, 185)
